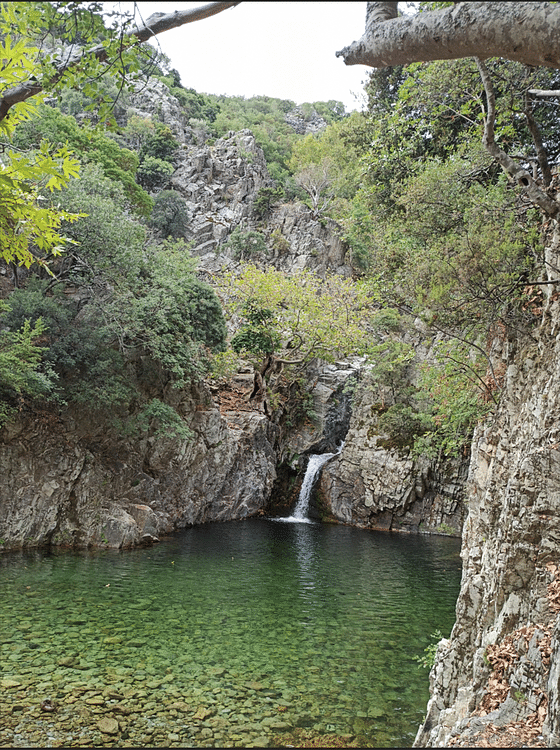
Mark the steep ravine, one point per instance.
(71, 480)
(497, 678)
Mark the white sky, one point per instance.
(279, 49)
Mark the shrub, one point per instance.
(91, 146)
(265, 200)
(170, 217)
(20, 364)
(159, 145)
(243, 245)
(279, 243)
(154, 173)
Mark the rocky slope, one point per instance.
(220, 184)
(497, 676)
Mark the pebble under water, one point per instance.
(253, 633)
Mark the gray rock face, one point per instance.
(71, 487)
(508, 602)
(220, 183)
(303, 125)
(153, 100)
(332, 409)
(376, 487)
(312, 245)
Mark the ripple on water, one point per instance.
(254, 633)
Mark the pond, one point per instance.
(255, 633)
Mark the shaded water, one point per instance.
(227, 634)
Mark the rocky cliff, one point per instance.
(68, 481)
(378, 487)
(496, 679)
(75, 483)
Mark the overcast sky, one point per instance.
(280, 49)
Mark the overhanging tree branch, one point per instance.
(544, 92)
(156, 24)
(526, 32)
(160, 22)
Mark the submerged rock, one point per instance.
(108, 725)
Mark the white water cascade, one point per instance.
(316, 461)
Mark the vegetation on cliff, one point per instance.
(440, 240)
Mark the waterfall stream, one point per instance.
(316, 462)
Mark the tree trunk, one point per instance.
(526, 32)
(517, 173)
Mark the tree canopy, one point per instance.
(49, 48)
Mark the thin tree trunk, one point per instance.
(520, 175)
(537, 140)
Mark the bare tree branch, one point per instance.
(520, 175)
(526, 32)
(156, 24)
(543, 92)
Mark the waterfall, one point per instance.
(316, 461)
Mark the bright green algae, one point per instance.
(225, 635)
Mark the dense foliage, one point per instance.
(446, 239)
(440, 241)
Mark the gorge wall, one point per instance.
(74, 483)
(496, 679)
(68, 480)
(378, 487)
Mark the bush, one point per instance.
(90, 146)
(243, 245)
(265, 200)
(170, 217)
(279, 243)
(159, 145)
(154, 173)
(21, 374)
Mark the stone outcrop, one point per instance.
(331, 409)
(378, 487)
(152, 100)
(497, 676)
(220, 183)
(72, 483)
(304, 125)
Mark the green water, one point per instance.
(230, 634)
